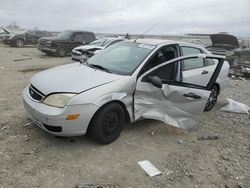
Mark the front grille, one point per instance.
(56, 129)
(36, 94)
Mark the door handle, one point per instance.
(204, 72)
(192, 95)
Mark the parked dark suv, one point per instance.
(63, 44)
(26, 38)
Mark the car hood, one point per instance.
(88, 47)
(74, 78)
(224, 40)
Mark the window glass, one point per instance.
(65, 34)
(209, 62)
(190, 64)
(78, 37)
(31, 32)
(190, 50)
(89, 37)
(164, 54)
(165, 73)
(122, 58)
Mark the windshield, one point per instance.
(64, 34)
(122, 58)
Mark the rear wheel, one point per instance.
(61, 52)
(19, 43)
(107, 124)
(212, 98)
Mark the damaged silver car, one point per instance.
(158, 79)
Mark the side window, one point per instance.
(209, 62)
(89, 37)
(190, 64)
(78, 37)
(165, 73)
(164, 54)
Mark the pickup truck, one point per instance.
(62, 44)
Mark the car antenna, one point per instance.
(141, 35)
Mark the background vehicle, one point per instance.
(222, 43)
(64, 43)
(128, 81)
(86, 51)
(29, 37)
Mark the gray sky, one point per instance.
(133, 16)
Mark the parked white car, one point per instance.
(158, 79)
(87, 51)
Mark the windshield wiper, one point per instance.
(99, 67)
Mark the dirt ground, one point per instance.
(29, 157)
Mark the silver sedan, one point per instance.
(170, 81)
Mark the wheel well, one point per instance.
(218, 86)
(127, 117)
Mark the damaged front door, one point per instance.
(162, 95)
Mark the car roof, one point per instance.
(157, 42)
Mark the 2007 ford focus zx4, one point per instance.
(169, 81)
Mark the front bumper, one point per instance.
(7, 41)
(44, 48)
(53, 119)
(77, 56)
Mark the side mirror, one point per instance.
(155, 81)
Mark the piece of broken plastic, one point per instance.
(236, 107)
(149, 168)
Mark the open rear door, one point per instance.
(162, 95)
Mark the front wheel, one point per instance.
(107, 124)
(19, 43)
(61, 52)
(212, 98)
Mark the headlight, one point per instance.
(58, 100)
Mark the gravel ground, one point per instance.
(32, 158)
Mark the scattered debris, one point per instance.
(33, 69)
(225, 158)
(180, 142)
(236, 107)
(208, 137)
(23, 59)
(149, 168)
(26, 138)
(153, 132)
(27, 153)
(27, 124)
(4, 127)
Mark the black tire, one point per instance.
(107, 124)
(61, 52)
(19, 43)
(212, 98)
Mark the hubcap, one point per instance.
(19, 43)
(61, 52)
(212, 99)
(111, 123)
